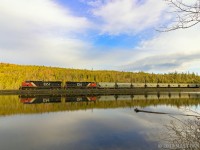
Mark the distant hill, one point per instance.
(12, 75)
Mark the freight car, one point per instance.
(163, 85)
(101, 85)
(151, 85)
(41, 85)
(183, 85)
(192, 85)
(173, 85)
(109, 85)
(138, 85)
(124, 85)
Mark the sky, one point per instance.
(96, 34)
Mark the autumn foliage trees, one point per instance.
(12, 75)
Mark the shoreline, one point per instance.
(96, 91)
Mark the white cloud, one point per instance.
(177, 50)
(45, 14)
(41, 32)
(129, 16)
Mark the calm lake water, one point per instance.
(99, 122)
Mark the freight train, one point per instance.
(26, 85)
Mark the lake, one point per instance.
(100, 122)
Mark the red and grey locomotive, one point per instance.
(41, 85)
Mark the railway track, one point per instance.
(95, 91)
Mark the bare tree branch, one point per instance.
(186, 15)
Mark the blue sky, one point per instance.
(82, 8)
(96, 34)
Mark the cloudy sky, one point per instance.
(96, 34)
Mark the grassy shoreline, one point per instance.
(96, 91)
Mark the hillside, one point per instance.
(12, 75)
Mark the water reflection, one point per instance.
(181, 134)
(53, 103)
(30, 99)
(153, 96)
(93, 122)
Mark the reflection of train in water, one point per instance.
(101, 85)
(132, 97)
(30, 99)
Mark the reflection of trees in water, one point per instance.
(10, 105)
(181, 133)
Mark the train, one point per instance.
(27, 85)
(41, 85)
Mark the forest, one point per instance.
(11, 75)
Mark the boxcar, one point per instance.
(41, 85)
(110, 85)
(164, 85)
(151, 85)
(80, 85)
(182, 85)
(140, 85)
(192, 85)
(173, 85)
(124, 85)
(198, 85)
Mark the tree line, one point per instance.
(11, 75)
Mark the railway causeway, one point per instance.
(95, 91)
